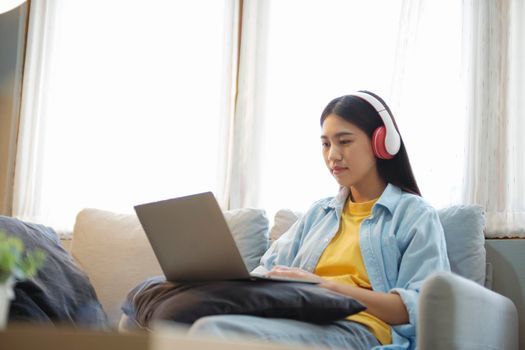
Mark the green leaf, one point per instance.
(16, 261)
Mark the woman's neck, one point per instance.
(364, 192)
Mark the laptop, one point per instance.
(192, 241)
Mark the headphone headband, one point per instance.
(392, 138)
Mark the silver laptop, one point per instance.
(193, 242)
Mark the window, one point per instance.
(133, 105)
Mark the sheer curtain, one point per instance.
(242, 180)
(30, 149)
(495, 82)
(428, 96)
(123, 103)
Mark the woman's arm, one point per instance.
(388, 307)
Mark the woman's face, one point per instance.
(348, 154)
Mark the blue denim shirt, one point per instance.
(402, 242)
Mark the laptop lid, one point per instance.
(191, 239)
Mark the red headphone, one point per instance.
(385, 139)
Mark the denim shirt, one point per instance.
(402, 242)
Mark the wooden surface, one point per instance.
(45, 338)
(163, 338)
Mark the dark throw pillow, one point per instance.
(61, 292)
(155, 299)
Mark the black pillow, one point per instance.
(156, 299)
(61, 292)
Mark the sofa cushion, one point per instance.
(158, 300)
(463, 227)
(282, 221)
(249, 228)
(115, 252)
(61, 292)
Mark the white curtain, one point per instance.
(232, 27)
(31, 134)
(495, 82)
(427, 96)
(242, 179)
(124, 103)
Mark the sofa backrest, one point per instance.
(114, 250)
(464, 233)
(115, 253)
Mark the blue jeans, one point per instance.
(337, 335)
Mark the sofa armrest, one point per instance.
(457, 313)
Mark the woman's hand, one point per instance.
(295, 272)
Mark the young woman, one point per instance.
(376, 241)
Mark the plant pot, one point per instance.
(6, 295)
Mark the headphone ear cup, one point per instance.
(378, 143)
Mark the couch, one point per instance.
(456, 310)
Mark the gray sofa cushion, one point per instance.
(463, 226)
(61, 292)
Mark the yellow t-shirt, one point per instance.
(342, 261)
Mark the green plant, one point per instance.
(16, 261)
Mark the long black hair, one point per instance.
(357, 111)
